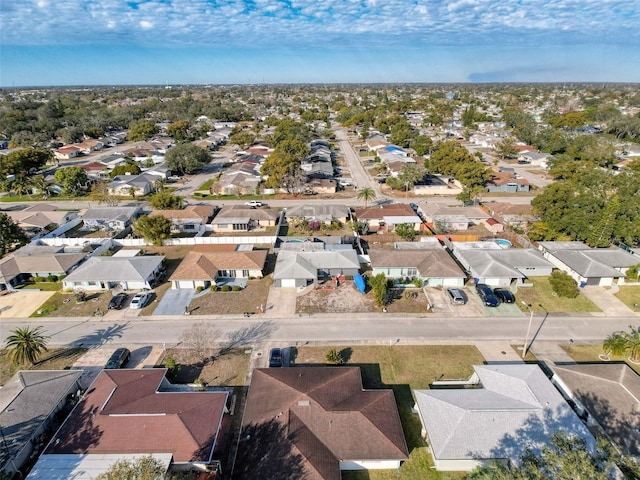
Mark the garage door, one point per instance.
(185, 284)
(453, 282)
(288, 282)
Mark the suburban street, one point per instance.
(329, 328)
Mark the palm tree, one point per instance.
(39, 183)
(367, 194)
(25, 344)
(132, 191)
(621, 343)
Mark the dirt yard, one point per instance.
(227, 370)
(344, 299)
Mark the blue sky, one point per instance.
(89, 42)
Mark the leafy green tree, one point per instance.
(411, 174)
(242, 139)
(602, 233)
(366, 194)
(124, 169)
(165, 200)
(39, 183)
(24, 161)
(633, 273)
(144, 468)
(100, 192)
(563, 284)
(186, 158)
(179, 130)
(142, 130)
(11, 235)
(406, 231)
(380, 286)
(361, 227)
(154, 228)
(624, 343)
(72, 179)
(25, 344)
(567, 457)
(284, 162)
(569, 120)
(506, 148)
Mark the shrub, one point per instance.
(199, 288)
(226, 288)
(334, 356)
(633, 273)
(52, 278)
(236, 288)
(417, 281)
(563, 284)
(214, 288)
(39, 279)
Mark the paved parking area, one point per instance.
(23, 303)
(606, 301)
(174, 301)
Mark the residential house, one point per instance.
(320, 185)
(132, 185)
(191, 219)
(302, 268)
(324, 213)
(490, 263)
(386, 217)
(493, 225)
(511, 214)
(41, 217)
(506, 182)
(394, 156)
(96, 170)
(241, 218)
(500, 413)
(128, 273)
(242, 178)
(608, 396)
(113, 218)
(437, 185)
(29, 404)
(89, 146)
(451, 218)
(589, 266)
(130, 412)
(533, 158)
(37, 261)
(321, 420)
(67, 152)
(426, 261)
(208, 265)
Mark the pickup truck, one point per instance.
(253, 204)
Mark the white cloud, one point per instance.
(330, 22)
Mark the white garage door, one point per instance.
(453, 282)
(185, 284)
(288, 282)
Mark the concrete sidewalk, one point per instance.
(550, 352)
(498, 352)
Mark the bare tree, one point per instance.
(200, 340)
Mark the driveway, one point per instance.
(23, 303)
(174, 302)
(281, 302)
(606, 301)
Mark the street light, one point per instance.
(526, 338)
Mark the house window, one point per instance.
(245, 273)
(189, 226)
(223, 273)
(412, 272)
(223, 225)
(232, 273)
(92, 283)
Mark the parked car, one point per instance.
(253, 203)
(414, 207)
(275, 357)
(504, 295)
(118, 359)
(140, 300)
(486, 295)
(118, 301)
(456, 296)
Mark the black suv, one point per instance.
(118, 301)
(486, 295)
(118, 359)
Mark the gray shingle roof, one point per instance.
(515, 408)
(116, 269)
(292, 264)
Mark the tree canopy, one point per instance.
(142, 130)
(186, 158)
(72, 179)
(25, 344)
(165, 200)
(24, 161)
(154, 228)
(11, 235)
(145, 468)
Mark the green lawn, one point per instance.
(44, 286)
(630, 295)
(54, 359)
(206, 185)
(404, 368)
(591, 353)
(543, 299)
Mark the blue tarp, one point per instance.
(360, 283)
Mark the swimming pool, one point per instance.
(503, 243)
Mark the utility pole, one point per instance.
(526, 338)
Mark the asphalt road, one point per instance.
(325, 328)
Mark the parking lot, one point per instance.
(472, 308)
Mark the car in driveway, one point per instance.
(275, 358)
(504, 295)
(253, 203)
(118, 359)
(140, 300)
(486, 295)
(118, 301)
(456, 296)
